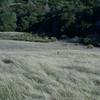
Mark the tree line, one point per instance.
(51, 17)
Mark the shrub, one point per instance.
(90, 46)
(87, 41)
(7, 21)
(91, 41)
(28, 37)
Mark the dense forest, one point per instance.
(52, 17)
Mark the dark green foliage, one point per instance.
(50, 17)
(91, 40)
(7, 21)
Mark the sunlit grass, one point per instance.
(47, 75)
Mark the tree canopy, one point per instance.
(52, 17)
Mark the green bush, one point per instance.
(27, 37)
(8, 21)
(90, 46)
(91, 41)
(87, 41)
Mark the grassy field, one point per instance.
(53, 71)
(23, 36)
